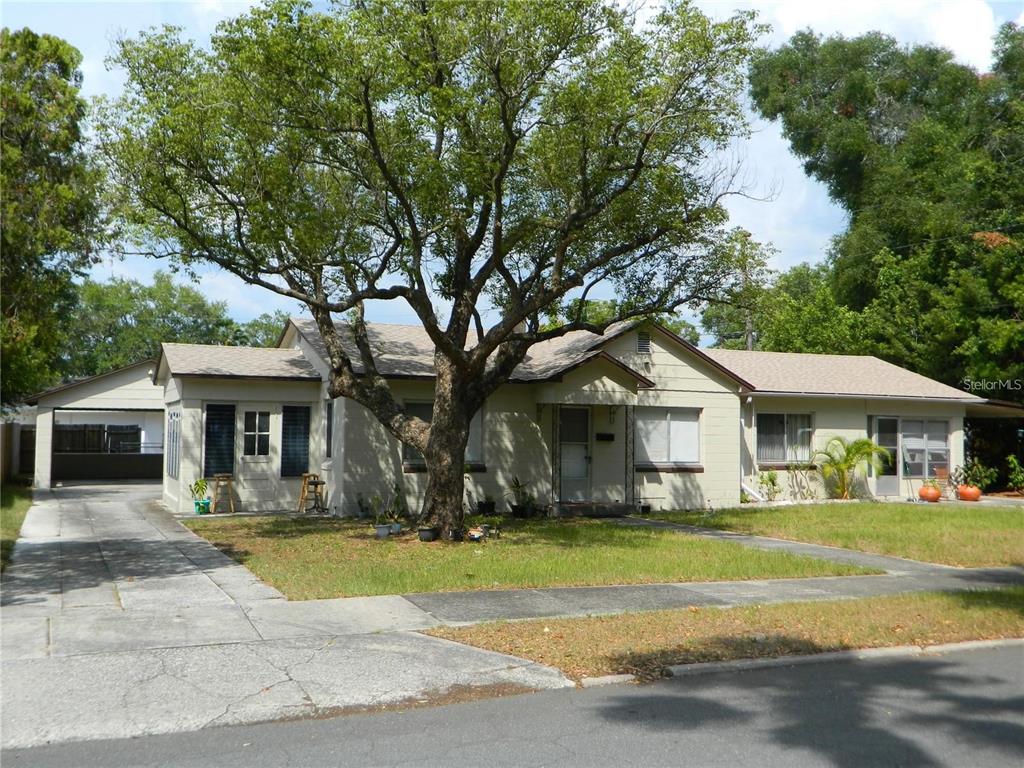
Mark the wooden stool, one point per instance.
(223, 482)
(304, 491)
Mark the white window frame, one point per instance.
(928, 474)
(785, 439)
(257, 433)
(644, 461)
(412, 458)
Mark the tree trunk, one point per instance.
(445, 456)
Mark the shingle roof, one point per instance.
(846, 375)
(407, 351)
(237, 362)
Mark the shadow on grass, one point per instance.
(849, 713)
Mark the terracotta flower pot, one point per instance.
(929, 493)
(968, 492)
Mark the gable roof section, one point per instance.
(34, 399)
(406, 351)
(838, 375)
(213, 361)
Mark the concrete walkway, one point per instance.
(118, 621)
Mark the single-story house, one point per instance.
(106, 427)
(636, 416)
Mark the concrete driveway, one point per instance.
(118, 621)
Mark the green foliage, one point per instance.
(841, 461)
(123, 321)
(926, 157)
(975, 473)
(49, 209)
(263, 331)
(602, 312)
(198, 489)
(733, 317)
(768, 484)
(1016, 473)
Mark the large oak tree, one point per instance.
(485, 163)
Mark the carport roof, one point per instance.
(34, 399)
(223, 362)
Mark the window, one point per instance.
(256, 434)
(925, 448)
(294, 440)
(329, 418)
(643, 343)
(219, 453)
(173, 458)
(474, 445)
(667, 436)
(783, 438)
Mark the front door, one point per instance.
(887, 431)
(574, 448)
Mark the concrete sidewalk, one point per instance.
(118, 621)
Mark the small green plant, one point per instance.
(198, 489)
(745, 497)
(842, 460)
(931, 484)
(1016, 476)
(377, 509)
(974, 473)
(768, 483)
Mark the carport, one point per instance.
(106, 427)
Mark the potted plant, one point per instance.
(929, 491)
(523, 502)
(487, 506)
(428, 532)
(199, 498)
(396, 510)
(971, 479)
(382, 526)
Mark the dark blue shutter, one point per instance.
(330, 428)
(220, 440)
(294, 440)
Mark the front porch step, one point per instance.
(594, 509)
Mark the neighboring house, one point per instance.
(636, 416)
(106, 427)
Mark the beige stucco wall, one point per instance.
(258, 485)
(685, 381)
(514, 444)
(845, 417)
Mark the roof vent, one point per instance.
(643, 343)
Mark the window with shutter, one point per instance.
(219, 452)
(294, 440)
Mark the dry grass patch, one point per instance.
(953, 534)
(644, 644)
(321, 558)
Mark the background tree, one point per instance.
(449, 155)
(926, 155)
(121, 322)
(733, 318)
(265, 330)
(50, 214)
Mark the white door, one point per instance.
(574, 447)
(887, 435)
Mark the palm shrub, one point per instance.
(842, 460)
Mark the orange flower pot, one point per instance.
(929, 493)
(968, 492)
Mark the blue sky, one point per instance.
(799, 219)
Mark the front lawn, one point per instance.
(14, 503)
(316, 558)
(954, 534)
(644, 644)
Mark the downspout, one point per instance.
(743, 438)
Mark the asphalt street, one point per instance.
(962, 708)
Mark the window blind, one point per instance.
(219, 453)
(294, 440)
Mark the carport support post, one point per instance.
(44, 446)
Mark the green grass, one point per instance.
(14, 503)
(644, 644)
(971, 536)
(309, 559)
